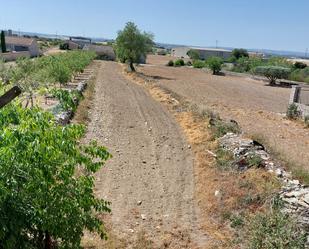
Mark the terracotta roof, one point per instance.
(18, 40)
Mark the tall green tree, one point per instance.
(3, 45)
(132, 45)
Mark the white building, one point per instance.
(22, 44)
(182, 52)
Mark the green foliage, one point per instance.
(254, 160)
(275, 230)
(170, 63)
(224, 159)
(3, 45)
(46, 181)
(273, 72)
(50, 69)
(301, 75)
(299, 65)
(239, 52)
(193, 54)
(179, 63)
(198, 64)
(68, 99)
(292, 111)
(215, 64)
(132, 45)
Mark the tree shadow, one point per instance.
(154, 77)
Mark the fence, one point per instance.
(300, 97)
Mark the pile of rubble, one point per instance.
(64, 117)
(295, 196)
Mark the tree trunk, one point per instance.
(48, 241)
(131, 67)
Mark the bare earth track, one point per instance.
(150, 178)
(258, 108)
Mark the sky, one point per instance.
(259, 24)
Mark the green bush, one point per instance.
(215, 64)
(275, 230)
(193, 54)
(170, 63)
(273, 73)
(198, 64)
(292, 112)
(301, 75)
(47, 181)
(179, 63)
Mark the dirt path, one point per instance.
(256, 107)
(150, 178)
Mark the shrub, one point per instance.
(193, 54)
(299, 65)
(239, 52)
(306, 121)
(300, 75)
(170, 63)
(273, 73)
(275, 230)
(179, 63)
(215, 64)
(292, 112)
(198, 64)
(43, 200)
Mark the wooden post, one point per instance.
(9, 96)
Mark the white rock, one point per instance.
(143, 216)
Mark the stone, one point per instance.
(139, 203)
(143, 216)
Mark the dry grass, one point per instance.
(81, 115)
(236, 193)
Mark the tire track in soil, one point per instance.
(150, 179)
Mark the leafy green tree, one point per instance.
(193, 54)
(240, 52)
(131, 45)
(272, 73)
(215, 64)
(3, 45)
(46, 181)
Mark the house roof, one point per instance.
(18, 40)
(208, 49)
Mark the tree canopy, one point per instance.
(240, 52)
(193, 54)
(132, 45)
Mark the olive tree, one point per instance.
(215, 64)
(272, 73)
(131, 45)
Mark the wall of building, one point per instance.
(12, 56)
(181, 52)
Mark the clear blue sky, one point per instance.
(272, 24)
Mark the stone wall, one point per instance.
(295, 95)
